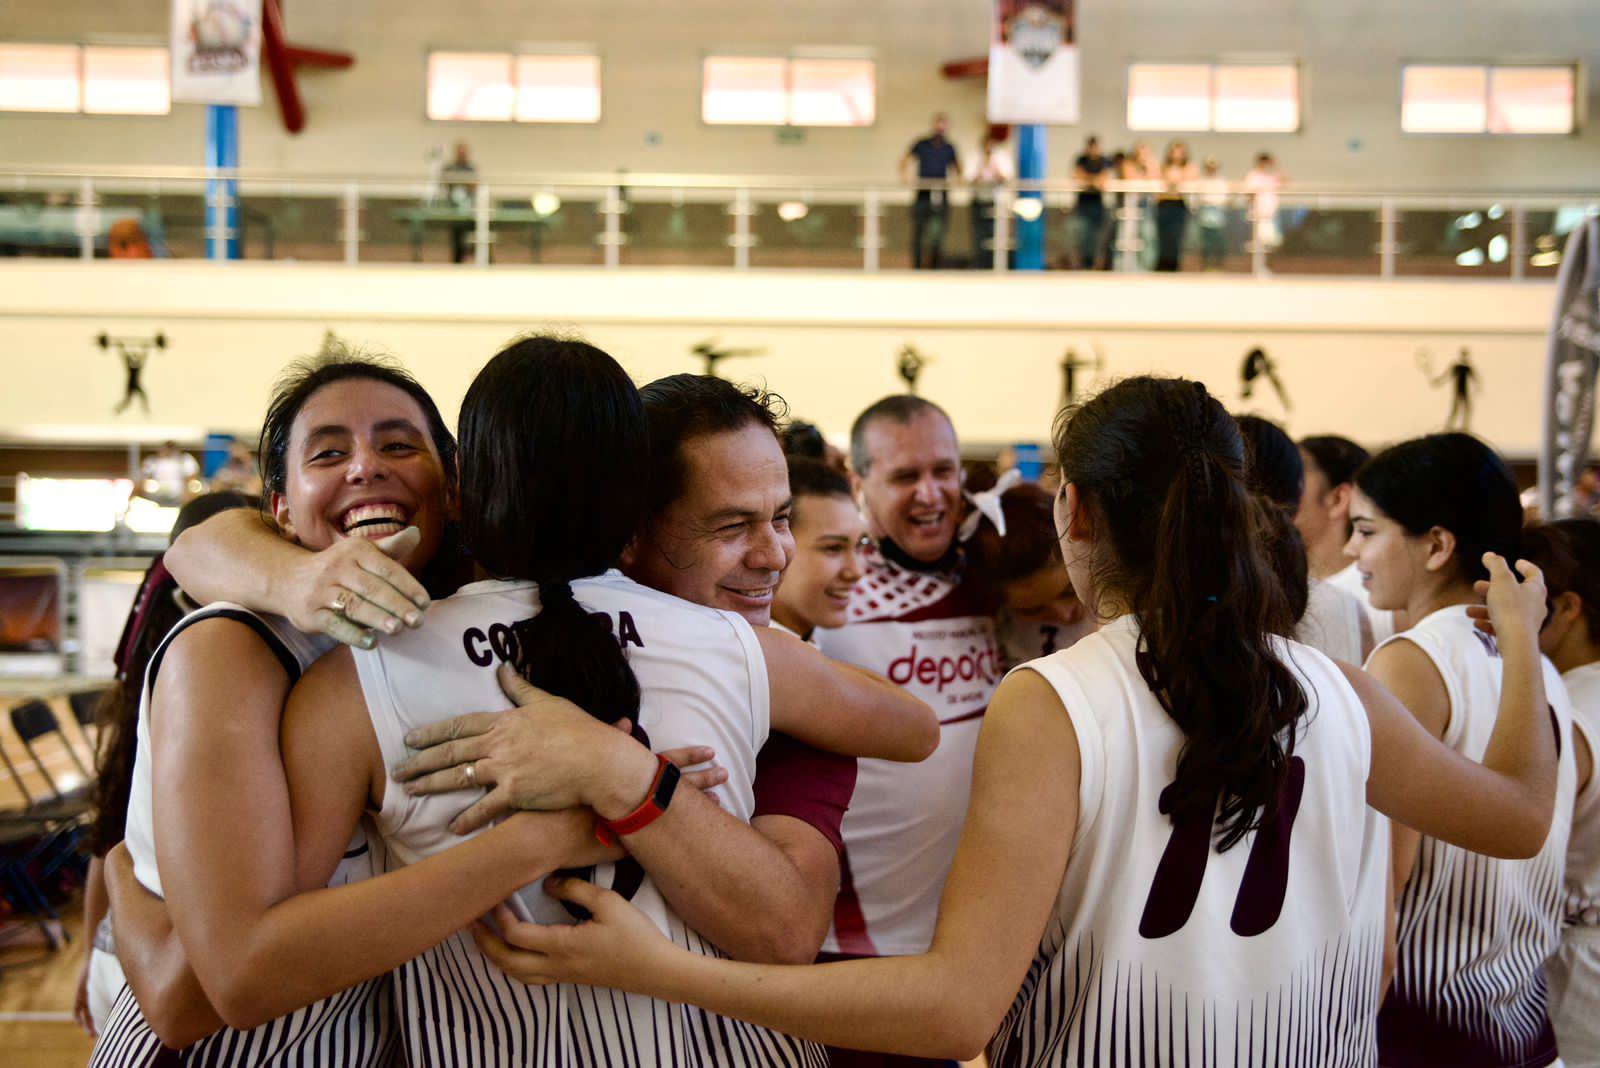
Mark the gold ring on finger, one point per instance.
(472, 773)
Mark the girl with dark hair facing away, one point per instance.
(1472, 931)
(1126, 876)
(1568, 550)
(1326, 617)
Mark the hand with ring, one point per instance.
(354, 591)
(546, 754)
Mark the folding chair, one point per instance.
(85, 705)
(33, 720)
(63, 811)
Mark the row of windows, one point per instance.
(95, 79)
(826, 90)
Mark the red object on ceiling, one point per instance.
(977, 67)
(282, 60)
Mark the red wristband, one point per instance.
(650, 809)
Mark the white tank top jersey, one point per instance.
(1382, 620)
(703, 681)
(1160, 950)
(1473, 931)
(922, 631)
(1583, 849)
(1333, 622)
(355, 1027)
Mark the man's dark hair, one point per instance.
(900, 408)
(680, 408)
(813, 478)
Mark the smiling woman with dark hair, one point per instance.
(1427, 513)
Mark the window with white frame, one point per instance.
(73, 78)
(1224, 97)
(795, 90)
(507, 87)
(1493, 99)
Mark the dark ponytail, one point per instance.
(1161, 467)
(1277, 475)
(553, 455)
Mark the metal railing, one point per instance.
(621, 220)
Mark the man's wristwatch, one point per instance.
(662, 787)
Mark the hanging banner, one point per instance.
(1033, 63)
(216, 51)
(1569, 383)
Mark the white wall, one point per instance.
(1346, 349)
(370, 119)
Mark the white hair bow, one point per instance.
(986, 505)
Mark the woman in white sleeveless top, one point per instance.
(1569, 552)
(1472, 931)
(209, 719)
(1103, 908)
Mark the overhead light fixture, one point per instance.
(1473, 257)
(793, 210)
(1499, 248)
(1545, 259)
(1469, 222)
(546, 203)
(1028, 209)
(1496, 211)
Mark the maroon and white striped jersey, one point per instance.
(1473, 931)
(1160, 949)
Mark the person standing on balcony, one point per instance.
(1211, 215)
(934, 158)
(1172, 210)
(1262, 185)
(1092, 170)
(992, 168)
(460, 188)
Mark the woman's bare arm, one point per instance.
(1502, 807)
(239, 556)
(225, 846)
(842, 708)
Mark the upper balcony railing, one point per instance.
(621, 220)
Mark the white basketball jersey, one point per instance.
(1382, 620)
(923, 632)
(1583, 848)
(702, 681)
(1472, 931)
(355, 1027)
(1162, 951)
(1332, 623)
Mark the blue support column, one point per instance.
(222, 194)
(1030, 231)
